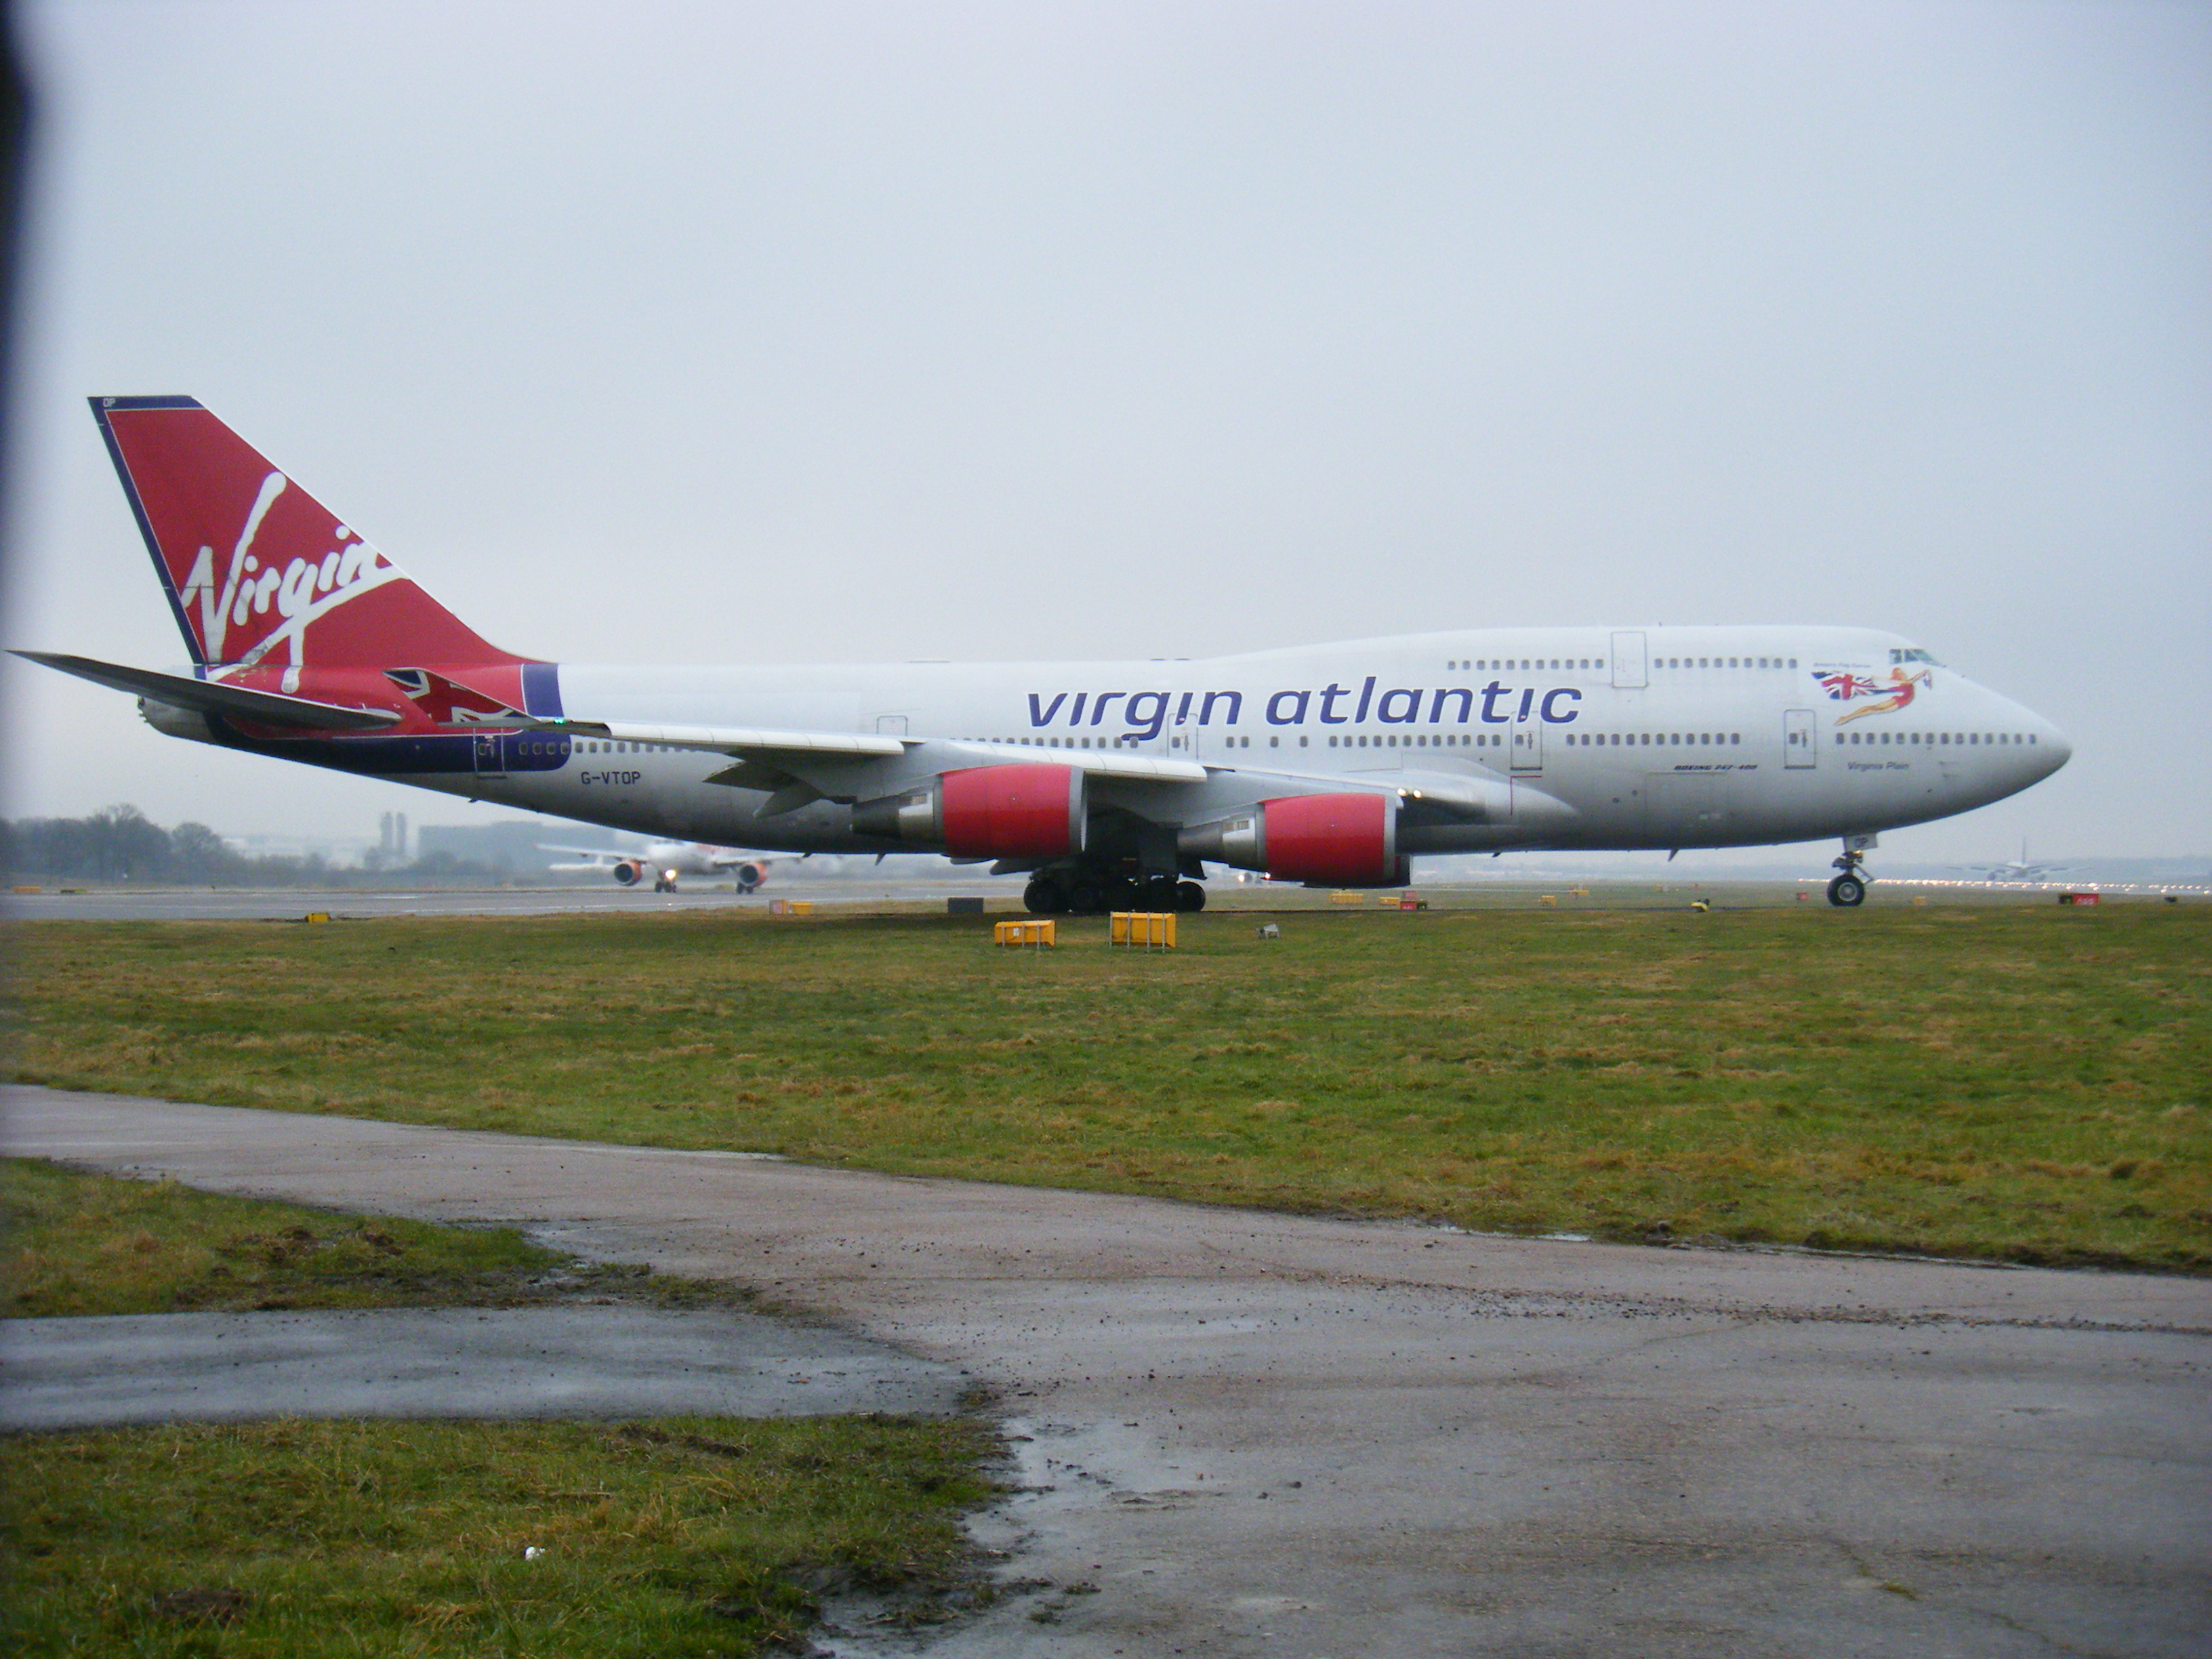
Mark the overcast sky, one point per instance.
(723, 332)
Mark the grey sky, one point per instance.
(728, 333)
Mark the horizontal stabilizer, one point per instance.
(214, 697)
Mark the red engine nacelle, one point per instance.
(750, 876)
(627, 870)
(1346, 841)
(987, 811)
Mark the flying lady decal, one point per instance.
(1848, 685)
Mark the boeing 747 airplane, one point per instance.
(1110, 784)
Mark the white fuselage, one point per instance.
(1585, 738)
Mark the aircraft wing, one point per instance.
(797, 767)
(593, 853)
(726, 740)
(214, 697)
(748, 742)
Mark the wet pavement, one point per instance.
(1286, 1435)
(585, 1360)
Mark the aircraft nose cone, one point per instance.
(2056, 749)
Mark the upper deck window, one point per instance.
(1911, 653)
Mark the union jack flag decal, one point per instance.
(1843, 685)
(448, 702)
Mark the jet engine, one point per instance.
(626, 871)
(986, 811)
(1345, 841)
(749, 875)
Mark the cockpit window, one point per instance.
(1911, 653)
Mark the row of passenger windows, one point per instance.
(1503, 664)
(1645, 739)
(578, 746)
(1486, 664)
(1422, 740)
(1932, 738)
(1393, 740)
(1418, 740)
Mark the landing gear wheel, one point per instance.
(1086, 900)
(1848, 890)
(1190, 897)
(1044, 897)
(1160, 894)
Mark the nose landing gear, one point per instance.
(1848, 890)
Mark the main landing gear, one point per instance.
(1848, 890)
(1089, 890)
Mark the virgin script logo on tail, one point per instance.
(301, 593)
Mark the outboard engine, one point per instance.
(1342, 841)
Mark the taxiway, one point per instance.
(1286, 1436)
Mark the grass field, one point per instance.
(298, 1539)
(668, 1536)
(76, 1244)
(2022, 1083)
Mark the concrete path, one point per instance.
(1285, 1437)
(580, 1361)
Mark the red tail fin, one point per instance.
(258, 572)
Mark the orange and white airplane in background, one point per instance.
(1109, 783)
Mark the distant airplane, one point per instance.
(2017, 869)
(664, 861)
(1107, 783)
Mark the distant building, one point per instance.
(337, 853)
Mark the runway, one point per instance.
(850, 894)
(1275, 1436)
(290, 904)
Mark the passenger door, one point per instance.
(1799, 746)
(1528, 747)
(1631, 666)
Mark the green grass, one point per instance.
(693, 1536)
(76, 1243)
(2022, 1083)
(669, 1537)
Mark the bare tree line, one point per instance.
(120, 843)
